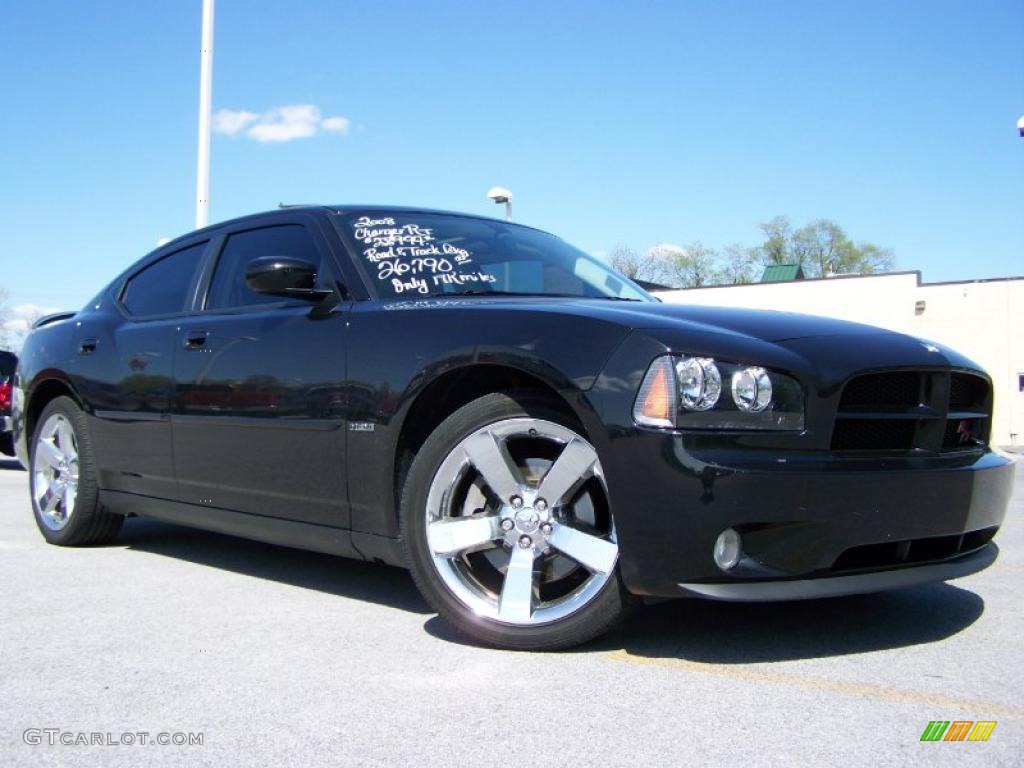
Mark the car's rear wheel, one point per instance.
(508, 528)
(62, 479)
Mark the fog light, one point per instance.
(728, 548)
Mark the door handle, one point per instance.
(196, 339)
(87, 346)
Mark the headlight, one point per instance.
(686, 392)
(752, 389)
(700, 382)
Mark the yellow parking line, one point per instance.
(884, 692)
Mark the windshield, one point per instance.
(420, 254)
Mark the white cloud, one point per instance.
(230, 123)
(335, 124)
(296, 121)
(665, 250)
(162, 241)
(292, 121)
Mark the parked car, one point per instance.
(540, 441)
(8, 364)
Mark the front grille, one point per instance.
(963, 434)
(967, 392)
(901, 388)
(913, 411)
(872, 435)
(912, 551)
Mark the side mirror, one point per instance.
(284, 276)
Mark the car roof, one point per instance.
(340, 209)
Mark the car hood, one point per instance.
(821, 342)
(763, 325)
(829, 345)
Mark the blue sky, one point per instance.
(633, 123)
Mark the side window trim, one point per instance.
(349, 278)
(151, 261)
(202, 285)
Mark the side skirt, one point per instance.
(272, 530)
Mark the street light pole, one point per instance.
(502, 195)
(205, 98)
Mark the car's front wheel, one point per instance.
(508, 528)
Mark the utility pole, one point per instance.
(205, 98)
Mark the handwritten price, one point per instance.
(387, 269)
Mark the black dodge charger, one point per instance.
(541, 442)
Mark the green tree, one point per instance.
(821, 248)
(737, 265)
(871, 258)
(685, 266)
(633, 265)
(777, 235)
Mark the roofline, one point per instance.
(367, 208)
(358, 208)
(1006, 279)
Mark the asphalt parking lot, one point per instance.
(281, 657)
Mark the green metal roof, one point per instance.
(780, 273)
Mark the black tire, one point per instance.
(89, 524)
(597, 617)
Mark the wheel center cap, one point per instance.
(527, 520)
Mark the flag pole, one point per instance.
(205, 97)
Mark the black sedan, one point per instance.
(542, 443)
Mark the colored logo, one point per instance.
(958, 730)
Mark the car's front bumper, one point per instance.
(849, 584)
(811, 525)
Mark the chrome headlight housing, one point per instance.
(693, 392)
(700, 383)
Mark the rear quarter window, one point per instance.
(162, 287)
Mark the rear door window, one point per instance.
(162, 287)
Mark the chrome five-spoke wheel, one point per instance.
(55, 471)
(518, 523)
(62, 479)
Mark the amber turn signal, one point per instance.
(656, 401)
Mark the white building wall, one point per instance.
(982, 319)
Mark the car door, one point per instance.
(259, 402)
(122, 367)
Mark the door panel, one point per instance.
(258, 413)
(123, 367)
(126, 379)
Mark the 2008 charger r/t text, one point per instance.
(538, 440)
